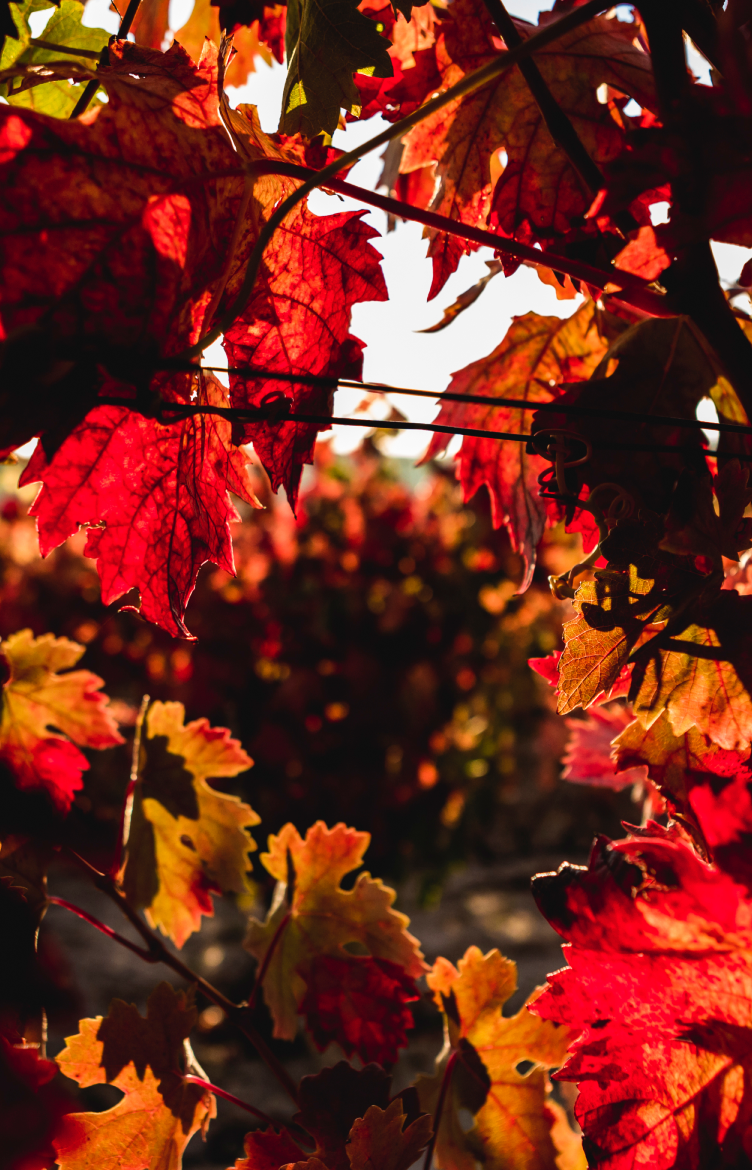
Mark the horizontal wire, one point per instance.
(255, 415)
(483, 400)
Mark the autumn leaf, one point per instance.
(482, 1050)
(331, 1104)
(46, 713)
(589, 759)
(186, 840)
(538, 194)
(303, 327)
(382, 1139)
(32, 1107)
(706, 517)
(204, 21)
(133, 264)
(361, 1003)
(146, 1059)
(327, 42)
(655, 367)
(235, 15)
(312, 916)
(153, 496)
(658, 986)
(56, 98)
(537, 354)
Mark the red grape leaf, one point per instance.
(155, 498)
(268, 1150)
(658, 986)
(39, 704)
(31, 1108)
(535, 356)
(538, 193)
(361, 1003)
(186, 840)
(298, 321)
(382, 1140)
(323, 918)
(512, 1129)
(247, 40)
(589, 756)
(145, 1059)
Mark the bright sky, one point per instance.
(396, 353)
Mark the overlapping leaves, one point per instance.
(318, 937)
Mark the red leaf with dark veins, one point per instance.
(360, 1003)
(155, 497)
(298, 321)
(659, 984)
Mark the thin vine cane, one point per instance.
(474, 81)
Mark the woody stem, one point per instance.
(439, 1109)
(93, 85)
(127, 809)
(469, 84)
(261, 973)
(158, 953)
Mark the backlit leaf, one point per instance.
(512, 1127)
(382, 1139)
(324, 918)
(45, 713)
(658, 984)
(146, 1059)
(537, 354)
(186, 840)
(327, 42)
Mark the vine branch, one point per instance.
(474, 81)
(159, 953)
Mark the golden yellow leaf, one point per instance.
(324, 919)
(186, 840)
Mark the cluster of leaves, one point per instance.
(157, 219)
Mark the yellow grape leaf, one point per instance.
(186, 840)
(146, 1059)
(40, 707)
(378, 1139)
(324, 919)
(514, 1127)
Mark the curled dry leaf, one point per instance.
(312, 916)
(46, 713)
(186, 841)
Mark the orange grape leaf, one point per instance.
(45, 713)
(538, 193)
(702, 676)
(146, 1059)
(513, 1129)
(536, 355)
(316, 917)
(381, 1140)
(204, 22)
(674, 763)
(186, 840)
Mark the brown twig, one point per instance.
(469, 84)
(439, 1109)
(127, 809)
(159, 953)
(190, 1079)
(93, 85)
(100, 926)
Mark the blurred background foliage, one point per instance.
(371, 655)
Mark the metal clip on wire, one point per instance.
(621, 506)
